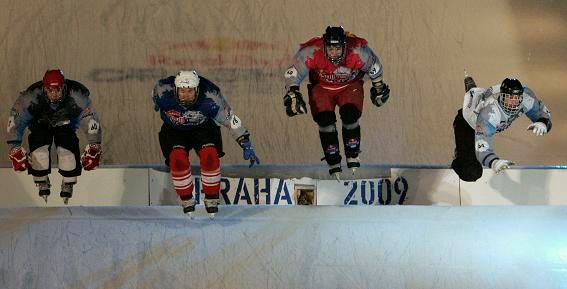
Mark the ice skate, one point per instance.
(44, 190)
(212, 207)
(353, 164)
(469, 82)
(335, 170)
(66, 192)
(188, 207)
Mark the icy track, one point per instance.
(284, 247)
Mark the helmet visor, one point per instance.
(335, 52)
(511, 102)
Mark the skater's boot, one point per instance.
(44, 190)
(333, 159)
(336, 170)
(188, 206)
(353, 164)
(66, 192)
(212, 206)
(469, 82)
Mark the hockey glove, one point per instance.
(538, 128)
(293, 102)
(499, 166)
(90, 158)
(247, 150)
(19, 158)
(379, 93)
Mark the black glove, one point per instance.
(293, 102)
(379, 93)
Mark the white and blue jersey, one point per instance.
(484, 114)
(210, 104)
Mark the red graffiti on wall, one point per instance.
(212, 53)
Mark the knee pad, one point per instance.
(349, 113)
(40, 158)
(209, 158)
(178, 160)
(66, 159)
(325, 118)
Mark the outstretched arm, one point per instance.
(537, 112)
(227, 118)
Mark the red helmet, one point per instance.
(53, 78)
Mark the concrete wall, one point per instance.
(120, 48)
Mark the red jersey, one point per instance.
(311, 59)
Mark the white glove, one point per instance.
(539, 128)
(500, 165)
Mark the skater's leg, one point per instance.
(68, 155)
(210, 176)
(39, 140)
(175, 147)
(351, 134)
(465, 163)
(329, 140)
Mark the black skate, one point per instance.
(353, 164)
(336, 170)
(44, 190)
(66, 192)
(469, 82)
(188, 207)
(212, 207)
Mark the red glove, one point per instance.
(90, 158)
(19, 159)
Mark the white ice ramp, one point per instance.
(285, 247)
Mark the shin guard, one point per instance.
(351, 141)
(181, 173)
(330, 145)
(210, 172)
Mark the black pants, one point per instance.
(63, 136)
(208, 133)
(465, 163)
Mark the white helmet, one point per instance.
(187, 78)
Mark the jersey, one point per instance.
(210, 104)
(311, 59)
(484, 114)
(33, 110)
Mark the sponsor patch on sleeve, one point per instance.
(482, 146)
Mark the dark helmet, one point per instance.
(335, 35)
(511, 95)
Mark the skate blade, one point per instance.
(212, 215)
(66, 201)
(190, 215)
(354, 170)
(338, 176)
(44, 197)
